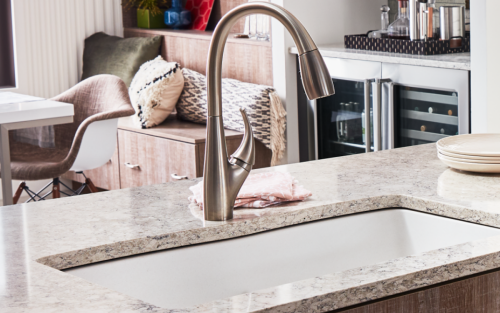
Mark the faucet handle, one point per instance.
(246, 150)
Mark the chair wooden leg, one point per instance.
(91, 185)
(56, 187)
(18, 193)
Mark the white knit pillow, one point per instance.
(154, 91)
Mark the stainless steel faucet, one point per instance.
(223, 177)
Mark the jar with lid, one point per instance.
(400, 28)
(433, 20)
(384, 23)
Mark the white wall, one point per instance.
(327, 21)
(485, 64)
(49, 40)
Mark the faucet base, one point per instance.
(222, 179)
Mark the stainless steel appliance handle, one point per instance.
(368, 134)
(388, 116)
(377, 125)
(392, 131)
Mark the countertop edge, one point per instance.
(394, 58)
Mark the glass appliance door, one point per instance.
(423, 104)
(340, 120)
(424, 115)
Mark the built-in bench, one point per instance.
(156, 155)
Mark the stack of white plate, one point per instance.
(473, 153)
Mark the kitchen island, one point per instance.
(38, 240)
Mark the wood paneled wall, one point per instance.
(245, 60)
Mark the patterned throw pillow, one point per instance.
(154, 91)
(263, 107)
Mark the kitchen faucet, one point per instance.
(223, 177)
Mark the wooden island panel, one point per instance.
(477, 294)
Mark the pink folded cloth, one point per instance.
(261, 190)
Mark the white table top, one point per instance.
(16, 108)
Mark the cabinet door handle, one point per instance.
(132, 166)
(175, 176)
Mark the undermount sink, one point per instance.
(179, 277)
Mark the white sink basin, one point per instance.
(197, 274)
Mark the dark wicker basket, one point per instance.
(432, 47)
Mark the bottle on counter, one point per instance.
(400, 28)
(433, 20)
(384, 17)
(384, 23)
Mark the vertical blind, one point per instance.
(7, 72)
(49, 39)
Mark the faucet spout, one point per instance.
(223, 177)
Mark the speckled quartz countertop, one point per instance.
(38, 239)
(457, 61)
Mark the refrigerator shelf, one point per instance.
(355, 93)
(429, 97)
(430, 117)
(349, 144)
(420, 135)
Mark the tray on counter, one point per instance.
(431, 47)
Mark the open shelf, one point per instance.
(247, 60)
(195, 34)
(349, 144)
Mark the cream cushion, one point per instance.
(154, 91)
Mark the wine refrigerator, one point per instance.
(380, 106)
